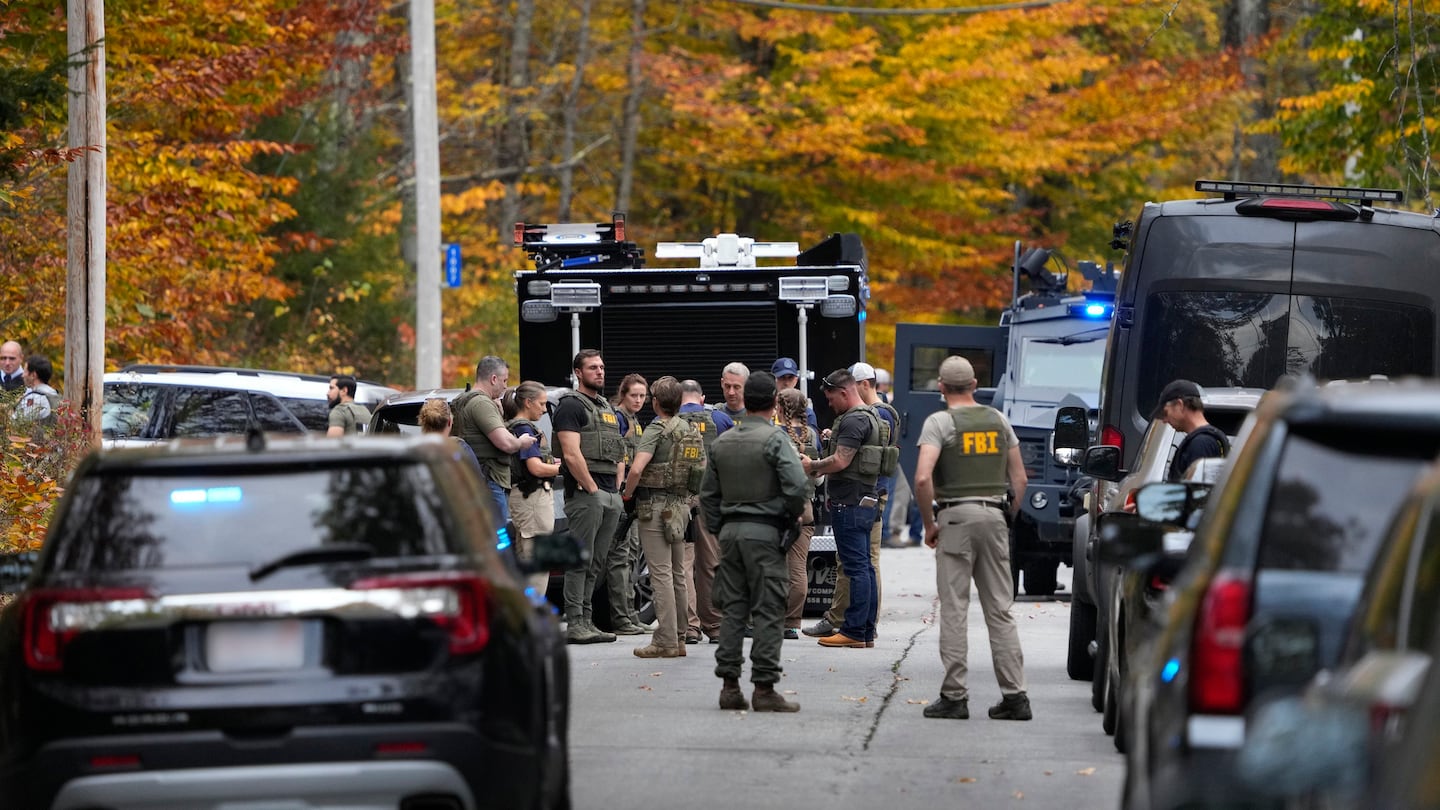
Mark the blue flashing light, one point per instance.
(1170, 670)
(187, 496)
(503, 541)
(1096, 310)
(862, 316)
(190, 497)
(223, 495)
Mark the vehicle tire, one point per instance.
(1041, 578)
(1110, 710)
(1101, 663)
(1079, 665)
(644, 591)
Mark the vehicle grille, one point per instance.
(692, 341)
(1032, 452)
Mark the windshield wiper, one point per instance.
(332, 552)
(1088, 336)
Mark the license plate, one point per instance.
(254, 646)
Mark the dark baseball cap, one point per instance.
(1176, 389)
(785, 367)
(839, 378)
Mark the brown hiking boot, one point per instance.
(651, 651)
(731, 698)
(766, 699)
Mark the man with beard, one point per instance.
(346, 415)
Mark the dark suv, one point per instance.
(1265, 280)
(242, 621)
(1272, 577)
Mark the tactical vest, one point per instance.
(358, 413)
(703, 422)
(877, 456)
(601, 444)
(467, 429)
(520, 475)
(972, 464)
(745, 475)
(678, 465)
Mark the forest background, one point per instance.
(259, 150)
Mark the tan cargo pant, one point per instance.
(975, 543)
(667, 579)
(533, 515)
(797, 565)
(702, 557)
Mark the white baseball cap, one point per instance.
(862, 371)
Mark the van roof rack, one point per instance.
(565, 245)
(1234, 189)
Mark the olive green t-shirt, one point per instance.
(484, 413)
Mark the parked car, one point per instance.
(1114, 491)
(1369, 694)
(309, 402)
(256, 620)
(1273, 576)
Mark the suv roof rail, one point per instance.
(165, 368)
(1234, 189)
(601, 245)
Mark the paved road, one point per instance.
(648, 734)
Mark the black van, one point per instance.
(1267, 279)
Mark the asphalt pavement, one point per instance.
(649, 733)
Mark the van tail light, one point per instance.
(53, 617)
(1111, 435)
(1129, 505)
(457, 602)
(1217, 676)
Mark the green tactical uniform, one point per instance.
(476, 414)
(352, 416)
(754, 488)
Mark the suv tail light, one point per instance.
(1217, 674)
(459, 603)
(47, 630)
(1111, 435)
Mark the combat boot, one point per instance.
(948, 709)
(1011, 707)
(578, 632)
(731, 698)
(600, 635)
(766, 699)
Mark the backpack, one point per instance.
(682, 472)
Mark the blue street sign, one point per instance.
(452, 264)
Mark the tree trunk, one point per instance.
(514, 141)
(630, 125)
(570, 111)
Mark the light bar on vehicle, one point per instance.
(727, 250)
(804, 289)
(1240, 188)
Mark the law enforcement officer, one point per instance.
(629, 399)
(702, 555)
(790, 408)
(592, 455)
(968, 455)
(787, 376)
(732, 384)
(481, 423)
(754, 491)
(659, 481)
(851, 501)
(1181, 408)
(346, 415)
(867, 382)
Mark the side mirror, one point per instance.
(985, 396)
(1170, 503)
(1072, 435)
(559, 551)
(1293, 747)
(1124, 539)
(1102, 462)
(15, 568)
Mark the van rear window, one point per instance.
(1252, 339)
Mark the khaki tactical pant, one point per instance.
(750, 585)
(667, 578)
(974, 542)
(533, 515)
(702, 558)
(797, 563)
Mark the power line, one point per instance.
(895, 12)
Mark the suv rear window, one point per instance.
(248, 516)
(1249, 339)
(1317, 523)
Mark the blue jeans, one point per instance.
(887, 483)
(851, 525)
(502, 502)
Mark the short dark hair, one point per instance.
(666, 394)
(346, 383)
(39, 364)
(582, 356)
(759, 391)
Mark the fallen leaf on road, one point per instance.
(789, 691)
(927, 620)
(647, 688)
(914, 702)
(1019, 794)
(1086, 772)
(860, 699)
(966, 780)
(1049, 773)
(901, 678)
(829, 669)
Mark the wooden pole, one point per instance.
(85, 261)
(425, 121)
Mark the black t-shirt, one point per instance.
(851, 430)
(570, 415)
(1206, 441)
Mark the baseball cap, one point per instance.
(760, 385)
(785, 367)
(956, 371)
(882, 377)
(862, 371)
(1173, 390)
(839, 378)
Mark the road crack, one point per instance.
(927, 622)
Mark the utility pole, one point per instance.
(85, 213)
(427, 194)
